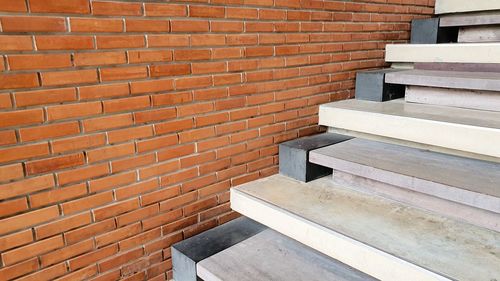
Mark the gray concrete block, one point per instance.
(371, 86)
(294, 156)
(428, 31)
(186, 254)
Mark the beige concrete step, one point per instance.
(467, 130)
(463, 6)
(382, 238)
(270, 255)
(477, 34)
(444, 53)
(458, 187)
(470, 19)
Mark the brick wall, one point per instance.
(124, 124)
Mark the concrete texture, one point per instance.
(294, 156)
(479, 34)
(186, 254)
(461, 129)
(370, 86)
(463, 6)
(270, 255)
(377, 236)
(428, 31)
(470, 19)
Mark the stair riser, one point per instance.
(482, 100)
(442, 134)
(447, 208)
(342, 248)
(479, 34)
(444, 192)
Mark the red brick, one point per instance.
(165, 40)
(5, 100)
(241, 13)
(126, 104)
(133, 162)
(8, 137)
(23, 152)
(58, 112)
(135, 25)
(175, 152)
(108, 8)
(110, 152)
(151, 86)
(33, 24)
(13, 6)
(65, 224)
(99, 58)
(49, 131)
(66, 253)
(53, 164)
(172, 98)
(137, 215)
(154, 115)
(165, 10)
(60, 6)
(108, 122)
(227, 26)
(150, 56)
(57, 195)
(206, 12)
(69, 77)
(158, 169)
(170, 70)
(17, 239)
(85, 232)
(78, 143)
(110, 182)
(28, 219)
(120, 259)
(19, 269)
(115, 209)
(193, 82)
(123, 73)
(12, 207)
(208, 39)
(117, 235)
(80, 174)
(15, 42)
(189, 26)
(198, 183)
(156, 143)
(140, 239)
(88, 25)
(194, 109)
(192, 54)
(42, 97)
(104, 91)
(119, 41)
(136, 189)
(92, 257)
(130, 134)
(16, 81)
(10, 172)
(60, 42)
(19, 118)
(86, 203)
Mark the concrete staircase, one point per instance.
(415, 195)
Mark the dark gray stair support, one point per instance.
(270, 255)
(484, 81)
(371, 86)
(428, 31)
(186, 254)
(454, 186)
(294, 156)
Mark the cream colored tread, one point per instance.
(470, 19)
(463, 6)
(460, 129)
(379, 237)
(449, 53)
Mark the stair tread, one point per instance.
(459, 179)
(487, 81)
(463, 6)
(261, 258)
(481, 18)
(449, 53)
(439, 245)
(462, 129)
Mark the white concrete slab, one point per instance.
(450, 53)
(380, 237)
(270, 255)
(466, 130)
(479, 34)
(482, 100)
(462, 6)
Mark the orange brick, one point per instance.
(227, 26)
(92, 257)
(15, 42)
(165, 10)
(17, 239)
(8, 137)
(62, 225)
(5, 101)
(99, 58)
(104, 91)
(110, 182)
(170, 70)
(155, 115)
(49, 131)
(60, 6)
(58, 112)
(156, 143)
(126, 104)
(16, 81)
(241, 13)
(140, 239)
(28, 219)
(206, 12)
(194, 109)
(175, 152)
(215, 166)
(110, 152)
(137, 215)
(66, 253)
(193, 82)
(212, 119)
(85, 232)
(57, 195)
(213, 143)
(117, 235)
(123, 73)
(160, 195)
(19, 269)
(151, 86)
(86, 203)
(88, 25)
(150, 56)
(85, 173)
(42, 97)
(108, 8)
(172, 98)
(208, 39)
(60, 42)
(19, 118)
(163, 218)
(189, 26)
(78, 143)
(33, 24)
(130, 134)
(12, 207)
(136, 189)
(158, 169)
(53, 164)
(120, 41)
(136, 25)
(195, 135)
(10, 172)
(179, 177)
(69, 77)
(31, 250)
(200, 206)
(23, 152)
(169, 40)
(192, 54)
(208, 67)
(198, 183)
(107, 122)
(13, 6)
(120, 259)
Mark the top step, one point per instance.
(464, 6)
(470, 19)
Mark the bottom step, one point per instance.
(273, 256)
(382, 238)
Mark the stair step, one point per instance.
(479, 34)
(486, 81)
(470, 19)
(473, 131)
(469, 182)
(377, 236)
(463, 6)
(482, 100)
(449, 53)
(270, 255)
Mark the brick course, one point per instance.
(123, 124)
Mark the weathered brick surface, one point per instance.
(124, 123)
